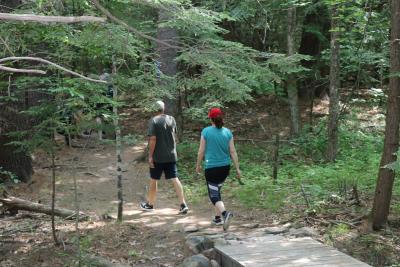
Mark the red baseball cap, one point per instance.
(215, 113)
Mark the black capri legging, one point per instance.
(215, 177)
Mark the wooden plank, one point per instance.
(284, 253)
(289, 254)
(246, 248)
(339, 261)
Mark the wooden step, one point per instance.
(277, 251)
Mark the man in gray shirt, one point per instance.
(162, 157)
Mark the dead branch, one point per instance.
(38, 59)
(305, 196)
(129, 28)
(49, 19)
(21, 204)
(7, 46)
(4, 68)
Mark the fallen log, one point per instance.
(21, 204)
(49, 19)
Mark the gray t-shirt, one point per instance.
(163, 127)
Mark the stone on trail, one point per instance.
(251, 225)
(210, 253)
(303, 232)
(196, 261)
(190, 229)
(197, 244)
(214, 263)
(276, 230)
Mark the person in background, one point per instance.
(217, 149)
(163, 157)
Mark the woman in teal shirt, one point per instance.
(218, 149)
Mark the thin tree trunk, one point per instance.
(53, 195)
(276, 160)
(118, 148)
(334, 84)
(78, 237)
(384, 186)
(291, 80)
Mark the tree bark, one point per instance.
(118, 148)
(291, 80)
(167, 63)
(334, 84)
(384, 186)
(21, 204)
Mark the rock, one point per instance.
(196, 261)
(221, 241)
(276, 230)
(190, 229)
(214, 263)
(197, 244)
(210, 254)
(303, 232)
(231, 236)
(251, 225)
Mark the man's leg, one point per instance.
(179, 190)
(155, 174)
(152, 194)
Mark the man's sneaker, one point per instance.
(184, 209)
(227, 220)
(217, 221)
(146, 206)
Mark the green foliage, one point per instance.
(7, 175)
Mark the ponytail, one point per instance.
(218, 121)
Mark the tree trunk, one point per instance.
(291, 82)
(53, 195)
(334, 84)
(118, 148)
(13, 160)
(384, 186)
(168, 65)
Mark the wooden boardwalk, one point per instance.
(277, 251)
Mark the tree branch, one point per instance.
(4, 68)
(6, 45)
(47, 19)
(49, 63)
(131, 29)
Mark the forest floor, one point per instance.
(143, 239)
(147, 239)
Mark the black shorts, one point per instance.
(170, 170)
(217, 175)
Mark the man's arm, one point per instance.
(152, 146)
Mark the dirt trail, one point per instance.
(144, 239)
(96, 178)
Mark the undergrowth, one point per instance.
(304, 175)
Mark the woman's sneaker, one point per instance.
(227, 220)
(217, 221)
(184, 209)
(146, 206)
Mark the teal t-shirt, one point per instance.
(217, 146)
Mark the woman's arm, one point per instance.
(234, 157)
(200, 154)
